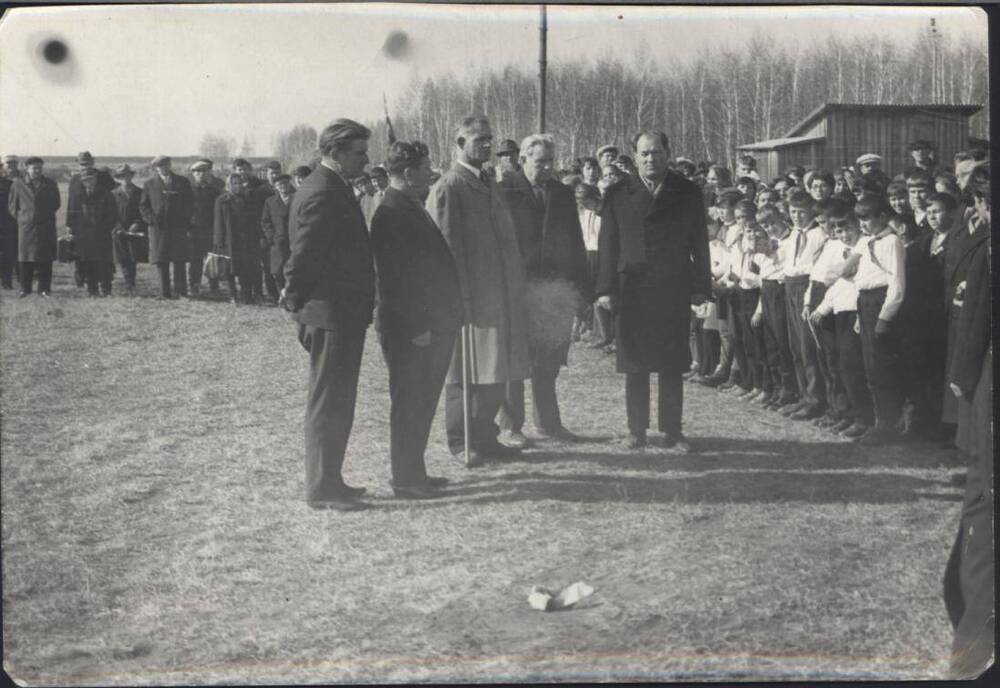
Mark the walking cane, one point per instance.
(465, 389)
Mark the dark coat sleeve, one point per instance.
(700, 256)
(219, 227)
(316, 213)
(267, 223)
(974, 324)
(607, 250)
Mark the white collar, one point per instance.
(323, 163)
(470, 168)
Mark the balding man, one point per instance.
(551, 243)
(654, 264)
(467, 205)
(330, 290)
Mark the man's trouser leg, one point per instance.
(163, 269)
(543, 394)
(852, 369)
(7, 274)
(416, 375)
(334, 363)
(26, 275)
(881, 355)
(802, 344)
(637, 403)
(670, 402)
(511, 415)
(195, 268)
(44, 270)
(484, 402)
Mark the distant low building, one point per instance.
(835, 134)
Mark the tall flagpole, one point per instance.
(542, 49)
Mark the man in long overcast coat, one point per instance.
(467, 205)
(654, 264)
(330, 290)
(551, 243)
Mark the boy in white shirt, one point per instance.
(801, 248)
(881, 283)
(841, 303)
(824, 273)
(771, 315)
(743, 277)
(726, 373)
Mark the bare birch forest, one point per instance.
(708, 104)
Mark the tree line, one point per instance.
(708, 104)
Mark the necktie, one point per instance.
(539, 194)
(484, 178)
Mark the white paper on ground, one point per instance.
(545, 600)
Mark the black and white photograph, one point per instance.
(370, 343)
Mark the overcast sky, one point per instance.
(145, 80)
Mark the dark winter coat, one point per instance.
(130, 220)
(653, 257)
(93, 224)
(8, 225)
(203, 217)
(237, 232)
(274, 225)
(167, 211)
(35, 208)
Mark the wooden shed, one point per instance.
(835, 134)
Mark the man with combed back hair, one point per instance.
(551, 243)
(330, 290)
(468, 207)
(654, 263)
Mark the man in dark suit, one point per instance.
(8, 233)
(274, 224)
(166, 206)
(330, 290)
(654, 265)
(551, 243)
(33, 202)
(419, 313)
(129, 237)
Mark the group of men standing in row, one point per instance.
(171, 221)
(455, 265)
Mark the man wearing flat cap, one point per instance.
(33, 202)
(507, 164)
(8, 228)
(166, 207)
(330, 290)
(10, 167)
(607, 155)
(92, 224)
(869, 162)
(74, 197)
(274, 225)
(131, 240)
(204, 191)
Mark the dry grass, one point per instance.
(154, 531)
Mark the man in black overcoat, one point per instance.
(8, 235)
(330, 290)
(551, 243)
(166, 208)
(33, 202)
(274, 225)
(205, 189)
(654, 264)
(419, 312)
(130, 237)
(76, 194)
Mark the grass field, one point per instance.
(154, 530)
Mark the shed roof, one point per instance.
(771, 144)
(809, 119)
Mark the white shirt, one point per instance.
(827, 267)
(718, 255)
(590, 222)
(841, 297)
(882, 264)
(809, 243)
(741, 264)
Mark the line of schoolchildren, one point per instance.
(840, 308)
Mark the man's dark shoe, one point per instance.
(22, 294)
(677, 443)
(347, 492)
(560, 433)
(422, 491)
(855, 431)
(632, 441)
(788, 409)
(841, 425)
(435, 481)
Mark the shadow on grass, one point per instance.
(721, 486)
(730, 452)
